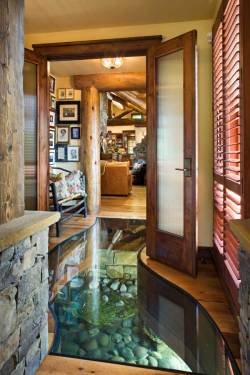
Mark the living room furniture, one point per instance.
(67, 195)
(139, 172)
(116, 178)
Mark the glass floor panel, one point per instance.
(109, 306)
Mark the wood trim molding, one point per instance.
(204, 252)
(42, 128)
(93, 49)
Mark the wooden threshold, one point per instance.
(55, 365)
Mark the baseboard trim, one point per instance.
(204, 252)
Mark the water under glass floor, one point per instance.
(108, 306)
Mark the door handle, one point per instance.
(182, 169)
(187, 167)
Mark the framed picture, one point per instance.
(52, 118)
(70, 94)
(52, 101)
(61, 152)
(52, 84)
(68, 112)
(75, 132)
(52, 139)
(73, 153)
(62, 134)
(52, 157)
(61, 94)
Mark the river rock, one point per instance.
(125, 331)
(127, 295)
(91, 345)
(117, 358)
(127, 339)
(105, 298)
(143, 362)
(83, 336)
(93, 332)
(95, 354)
(120, 345)
(136, 338)
(117, 338)
(132, 289)
(103, 339)
(140, 352)
(123, 288)
(82, 353)
(152, 361)
(115, 285)
(127, 323)
(156, 355)
(132, 345)
(119, 303)
(128, 354)
(105, 281)
(70, 348)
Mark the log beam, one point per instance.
(90, 142)
(11, 110)
(111, 81)
(133, 99)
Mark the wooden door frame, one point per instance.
(187, 43)
(83, 50)
(42, 127)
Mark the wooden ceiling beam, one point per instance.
(122, 114)
(140, 104)
(111, 81)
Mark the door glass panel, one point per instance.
(30, 135)
(170, 146)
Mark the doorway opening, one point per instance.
(122, 130)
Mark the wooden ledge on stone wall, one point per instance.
(28, 224)
(241, 229)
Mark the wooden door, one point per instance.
(171, 162)
(39, 169)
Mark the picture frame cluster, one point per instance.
(64, 125)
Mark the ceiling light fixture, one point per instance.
(112, 62)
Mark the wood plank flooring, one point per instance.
(206, 288)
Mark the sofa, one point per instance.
(116, 178)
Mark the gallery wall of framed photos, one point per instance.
(65, 124)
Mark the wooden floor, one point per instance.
(206, 288)
(130, 207)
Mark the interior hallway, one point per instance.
(206, 288)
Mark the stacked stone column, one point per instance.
(24, 305)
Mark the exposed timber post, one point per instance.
(11, 110)
(90, 142)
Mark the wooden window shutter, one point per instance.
(227, 134)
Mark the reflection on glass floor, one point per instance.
(108, 306)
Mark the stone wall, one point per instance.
(23, 305)
(244, 319)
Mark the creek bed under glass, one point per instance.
(109, 306)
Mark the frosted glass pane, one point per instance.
(170, 143)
